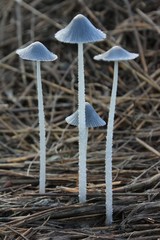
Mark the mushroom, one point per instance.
(115, 54)
(38, 52)
(92, 120)
(91, 117)
(80, 30)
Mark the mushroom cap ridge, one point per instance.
(36, 52)
(116, 53)
(80, 30)
(92, 118)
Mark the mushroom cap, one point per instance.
(116, 53)
(80, 30)
(36, 52)
(92, 118)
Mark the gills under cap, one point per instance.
(36, 52)
(80, 30)
(92, 118)
(116, 53)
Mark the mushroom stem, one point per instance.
(109, 143)
(42, 175)
(81, 126)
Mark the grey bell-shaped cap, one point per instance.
(116, 53)
(36, 52)
(92, 118)
(80, 30)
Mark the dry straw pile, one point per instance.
(24, 213)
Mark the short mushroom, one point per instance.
(91, 116)
(80, 30)
(92, 120)
(38, 52)
(115, 54)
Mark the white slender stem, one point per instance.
(81, 126)
(42, 174)
(109, 143)
(86, 138)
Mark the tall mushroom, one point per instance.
(38, 52)
(79, 31)
(115, 54)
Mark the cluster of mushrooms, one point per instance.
(79, 31)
